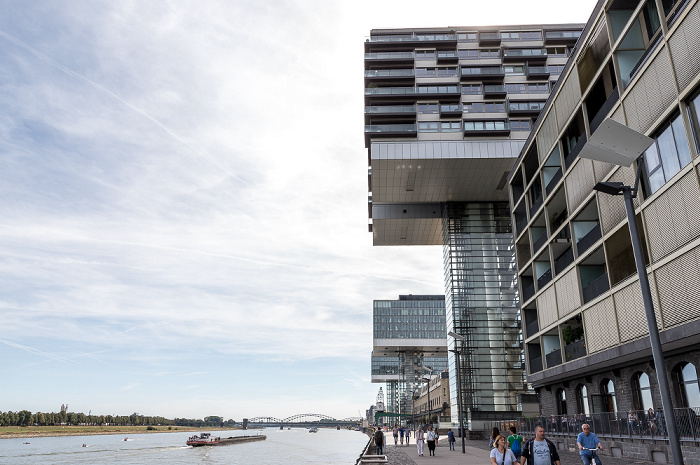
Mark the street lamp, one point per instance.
(615, 143)
(457, 337)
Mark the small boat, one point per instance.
(206, 439)
(313, 430)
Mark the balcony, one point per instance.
(391, 57)
(390, 130)
(489, 38)
(391, 40)
(525, 108)
(391, 91)
(453, 109)
(445, 92)
(588, 240)
(528, 292)
(495, 91)
(391, 110)
(540, 241)
(537, 72)
(447, 57)
(553, 182)
(576, 349)
(571, 156)
(532, 328)
(561, 37)
(391, 74)
(482, 74)
(596, 288)
(535, 364)
(553, 358)
(486, 128)
(531, 55)
(544, 279)
(564, 260)
(605, 109)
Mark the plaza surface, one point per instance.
(476, 452)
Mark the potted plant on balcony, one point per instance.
(574, 344)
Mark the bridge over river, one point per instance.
(304, 420)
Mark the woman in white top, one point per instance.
(500, 455)
(430, 438)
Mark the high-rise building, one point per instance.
(409, 345)
(586, 333)
(447, 111)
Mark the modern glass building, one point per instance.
(447, 111)
(409, 345)
(586, 335)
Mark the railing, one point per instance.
(451, 108)
(605, 109)
(595, 288)
(553, 358)
(588, 240)
(412, 38)
(486, 126)
(532, 328)
(525, 53)
(390, 109)
(562, 35)
(389, 73)
(536, 204)
(553, 182)
(576, 349)
(447, 55)
(636, 424)
(535, 365)
(389, 56)
(571, 156)
(536, 71)
(540, 241)
(494, 89)
(544, 279)
(563, 261)
(412, 90)
(488, 71)
(390, 128)
(528, 292)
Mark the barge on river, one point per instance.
(206, 439)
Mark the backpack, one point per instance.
(515, 448)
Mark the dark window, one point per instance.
(641, 392)
(561, 402)
(666, 156)
(607, 392)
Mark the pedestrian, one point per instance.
(515, 443)
(588, 444)
(396, 435)
(437, 436)
(632, 421)
(451, 439)
(494, 434)
(401, 433)
(408, 434)
(500, 455)
(420, 437)
(379, 441)
(430, 437)
(540, 450)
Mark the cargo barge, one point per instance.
(206, 439)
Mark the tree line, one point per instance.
(27, 418)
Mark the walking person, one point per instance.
(420, 439)
(430, 437)
(396, 435)
(494, 434)
(379, 441)
(451, 439)
(408, 434)
(588, 444)
(500, 455)
(401, 434)
(539, 450)
(515, 443)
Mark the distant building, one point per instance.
(434, 407)
(586, 336)
(447, 111)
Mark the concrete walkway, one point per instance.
(476, 453)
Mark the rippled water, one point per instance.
(295, 446)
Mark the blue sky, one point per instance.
(184, 190)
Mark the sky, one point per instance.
(183, 194)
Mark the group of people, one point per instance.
(514, 450)
(423, 436)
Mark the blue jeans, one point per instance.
(588, 459)
(380, 449)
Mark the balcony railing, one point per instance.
(524, 54)
(532, 328)
(390, 129)
(491, 73)
(451, 109)
(389, 56)
(576, 349)
(639, 424)
(544, 279)
(575, 150)
(561, 37)
(605, 109)
(535, 365)
(563, 261)
(449, 57)
(413, 38)
(494, 90)
(595, 288)
(540, 241)
(537, 72)
(489, 38)
(486, 127)
(387, 73)
(588, 240)
(390, 110)
(553, 182)
(553, 358)
(528, 292)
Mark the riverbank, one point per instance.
(14, 432)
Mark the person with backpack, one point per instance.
(451, 439)
(515, 443)
(379, 441)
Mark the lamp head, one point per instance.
(610, 188)
(615, 143)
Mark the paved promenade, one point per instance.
(477, 453)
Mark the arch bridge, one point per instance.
(305, 420)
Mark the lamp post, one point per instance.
(615, 143)
(457, 337)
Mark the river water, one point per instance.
(294, 446)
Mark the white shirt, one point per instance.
(509, 457)
(430, 436)
(540, 453)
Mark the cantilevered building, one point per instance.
(409, 345)
(586, 334)
(447, 111)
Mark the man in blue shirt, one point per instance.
(587, 440)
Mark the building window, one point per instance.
(555, 69)
(561, 402)
(557, 52)
(672, 8)
(485, 107)
(607, 392)
(468, 54)
(451, 126)
(471, 89)
(666, 156)
(685, 379)
(467, 37)
(428, 108)
(641, 392)
(520, 125)
(425, 72)
(425, 54)
(526, 35)
(447, 72)
(514, 70)
(694, 112)
(582, 399)
(428, 126)
(489, 54)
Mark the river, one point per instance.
(294, 446)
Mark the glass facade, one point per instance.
(482, 306)
(411, 317)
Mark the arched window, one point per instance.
(607, 391)
(686, 381)
(641, 392)
(582, 399)
(561, 402)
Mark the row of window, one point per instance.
(456, 126)
(508, 36)
(474, 54)
(511, 88)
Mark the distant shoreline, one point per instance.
(53, 431)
